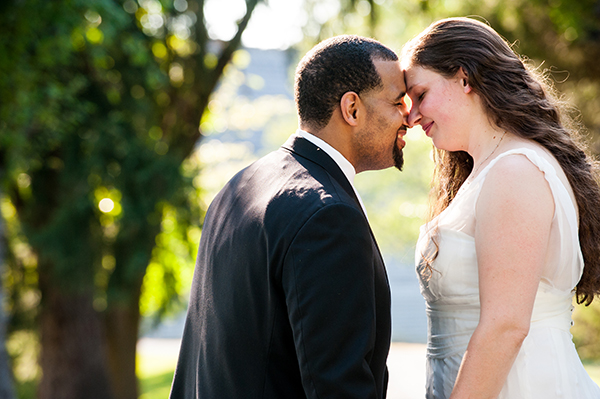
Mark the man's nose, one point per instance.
(404, 112)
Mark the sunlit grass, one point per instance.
(156, 362)
(156, 386)
(156, 366)
(26, 390)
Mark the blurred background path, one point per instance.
(406, 364)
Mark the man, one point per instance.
(290, 297)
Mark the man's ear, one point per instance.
(349, 105)
(464, 80)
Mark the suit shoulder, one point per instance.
(309, 183)
(281, 186)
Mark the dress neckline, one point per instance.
(535, 158)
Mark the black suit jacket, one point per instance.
(290, 297)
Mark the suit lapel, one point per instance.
(308, 150)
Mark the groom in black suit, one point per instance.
(290, 297)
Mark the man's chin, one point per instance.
(398, 158)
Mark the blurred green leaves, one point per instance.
(100, 106)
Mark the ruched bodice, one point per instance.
(547, 365)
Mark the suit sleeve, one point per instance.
(328, 279)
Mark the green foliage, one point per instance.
(157, 386)
(74, 130)
(22, 277)
(586, 330)
(170, 271)
(24, 348)
(100, 106)
(396, 201)
(92, 96)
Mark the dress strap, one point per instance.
(563, 202)
(559, 191)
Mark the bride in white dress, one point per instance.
(515, 230)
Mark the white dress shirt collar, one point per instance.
(339, 159)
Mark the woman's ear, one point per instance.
(464, 80)
(349, 105)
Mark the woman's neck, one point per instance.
(485, 146)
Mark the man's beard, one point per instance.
(398, 158)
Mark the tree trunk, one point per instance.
(122, 326)
(6, 381)
(72, 356)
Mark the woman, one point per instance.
(515, 228)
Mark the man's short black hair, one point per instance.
(332, 68)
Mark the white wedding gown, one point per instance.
(547, 365)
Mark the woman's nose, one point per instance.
(414, 116)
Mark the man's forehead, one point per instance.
(389, 70)
(393, 80)
(388, 65)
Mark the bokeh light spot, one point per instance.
(106, 205)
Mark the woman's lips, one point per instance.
(427, 128)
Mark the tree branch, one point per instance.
(201, 34)
(231, 46)
(207, 80)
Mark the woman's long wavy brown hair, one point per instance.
(520, 100)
